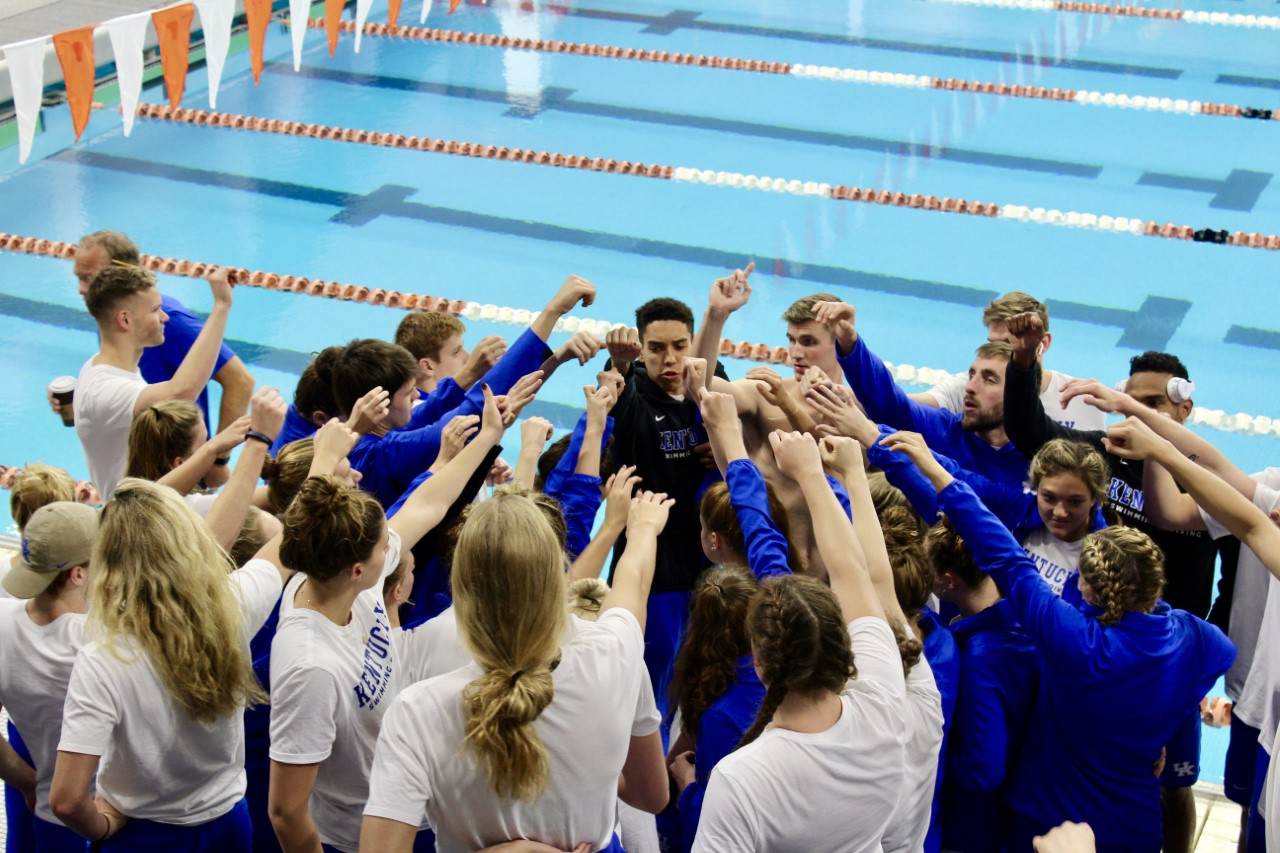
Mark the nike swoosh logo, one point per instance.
(660, 418)
(62, 565)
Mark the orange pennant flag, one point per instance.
(393, 11)
(259, 14)
(75, 53)
(332, 21)
(453, 4)
(173, 26)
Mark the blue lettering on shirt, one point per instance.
(375, 676)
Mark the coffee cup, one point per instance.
(63, 389)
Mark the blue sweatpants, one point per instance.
(56, 838)
(668, 615)
(21, 836)
(1257, 832)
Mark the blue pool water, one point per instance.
(507, 233)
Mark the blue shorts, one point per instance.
(1182, 754)
(230, 833)
(56, 838)
(1242, 758)
(668, 614)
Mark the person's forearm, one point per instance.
(296, 833)
(633, 575)
(197, 367)
(870, 538)
(1199, 450)
(237, 390)
(15, 771)
(840, 549)
(706, 343)
(1166, 506)
(589, 455)
(188, 475)
(1231, 509)
(590, 562)
(799, 419)
(526, 467)
(727, 445)
(226, 517)
(429, 503)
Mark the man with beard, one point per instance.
(975, 439)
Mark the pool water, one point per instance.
(507, 233)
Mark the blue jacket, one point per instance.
(719, 730)
(390, 462)
(944, 659)
(161, 362)
(999, 676)
(1109, 697)
(886, 403)
(295, 428)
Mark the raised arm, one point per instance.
(1133, 439)
(767, 551)
(590, 562)
(574, 290)
(237, 391)
(728, 294)
(198, 365)
(1025, 421)
(213, 453)
(770, 386)
(226, 516)
(534, 435)
(843, 458)
(633, 576)
(798, 458)
(428, 504)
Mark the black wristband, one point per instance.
(257, 436)
(222, 461)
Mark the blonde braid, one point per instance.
(1125, 569)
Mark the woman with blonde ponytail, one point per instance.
(1124, 658)
(335, 667)
(529, 740)
(156, 701)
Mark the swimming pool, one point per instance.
(506, 233)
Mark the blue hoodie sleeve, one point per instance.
(580, 500)
(390, 463)
(447, 395)
(569, 461)
(767, 553)
(886, 403)
(1057, 629)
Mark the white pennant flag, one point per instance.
(426, 7)
(26, 76)
(299, 10)
(362, 15)
(127, 35)
(215, 20)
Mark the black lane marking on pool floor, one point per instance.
(1240, 190)
(562, 416)
(689, 20)
(1149, 327)
(559, 99)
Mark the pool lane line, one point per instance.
(735, 180)
(826, 72)
(1260, 425)
(1224, 19)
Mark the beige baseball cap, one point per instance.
(58, 537)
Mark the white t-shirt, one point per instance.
(35, 666)
(433, 648)
(157, 763)
(603, 698)
(1054, 559)
(104, 412)
(833, 791)
(1259, 704)
(910, 824)
(1078, 414)
(1248, 596)
(330, 687)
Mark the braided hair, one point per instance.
(800, 643)
(1125, 569)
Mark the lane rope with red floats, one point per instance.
(825, 72)
(1241, 422)
(734, 180)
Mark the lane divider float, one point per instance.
(825, 72)
(733, 180)
(1223, 19)
(1240, 422)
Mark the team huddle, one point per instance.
(804, 612)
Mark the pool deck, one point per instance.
(27, 19)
